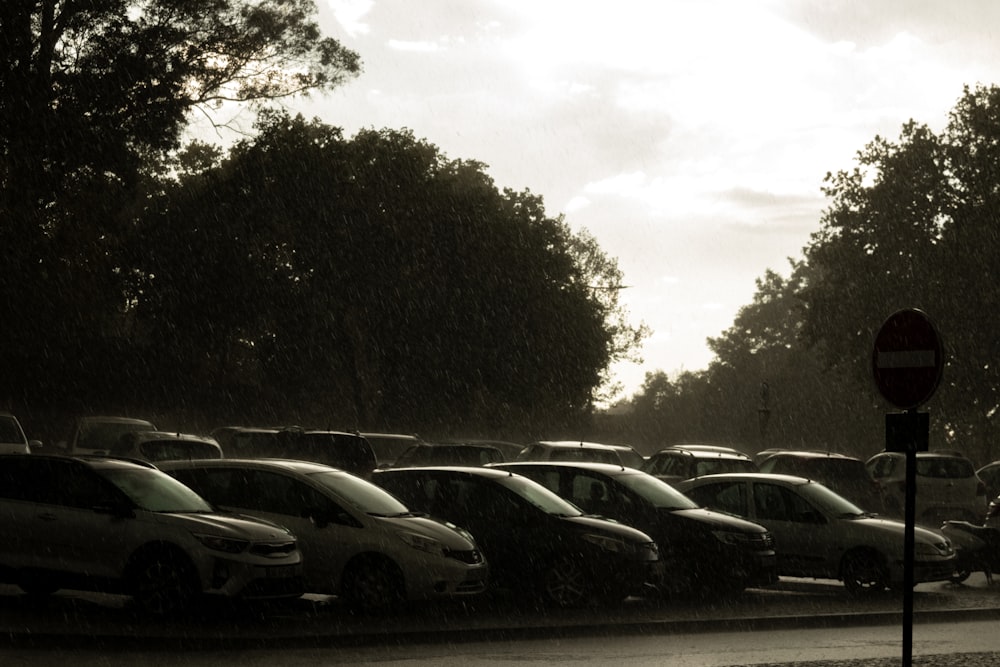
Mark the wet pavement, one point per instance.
(70, 618)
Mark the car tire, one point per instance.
(864, 572)
(162, 582)
(565, 584)
(372, 584)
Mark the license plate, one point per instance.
(283, 572)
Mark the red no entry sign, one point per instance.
(908, 359)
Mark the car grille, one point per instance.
(274, 549)
(471, 557)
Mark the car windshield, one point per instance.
(656, 491)
(155, 491)
(829, 501)
(363, 496)
(540, 497)
(9, 432)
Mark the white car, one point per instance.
(125, 527)
(12, 438)
(822, 535)
(947, 486)
(359, 542)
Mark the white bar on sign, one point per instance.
(906, 359)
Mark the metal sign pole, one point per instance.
(908, 540)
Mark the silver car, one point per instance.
(125, 527)
(359, 541)
(822, 535)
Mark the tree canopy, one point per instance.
(915, 223)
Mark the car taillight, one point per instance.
(993, 510)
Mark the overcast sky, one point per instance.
(690, 138)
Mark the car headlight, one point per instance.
(731, 538)
(423, 543)
(943, 548)
(225, 544)
(608, 543)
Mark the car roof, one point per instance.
(705, 453)
(811, 454)
(92, 460)
(488, 473)
(573, 444)
(793, 480)
(293, 465)
(604, 468)
(152, 436)
(114, 420)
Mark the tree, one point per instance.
(388, 286)
(93, 95)
(915, 225)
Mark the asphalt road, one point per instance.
(82, 620)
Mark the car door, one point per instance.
(68, 523)
(328, 535)
(805, 541)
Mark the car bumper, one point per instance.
(252, 581)
(925, 570)
(440, 577)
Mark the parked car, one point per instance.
(12, 438)
(339, 449)
(842, 474)
(433, 454)
(947, 486)
(124, 527)
(535, 542)
(702, 551)
(684, 461)
(388, 446)
(358, 541)
(97, 435)
(161, 446)
(820, 534)
(569, 450)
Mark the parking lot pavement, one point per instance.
(84, 618)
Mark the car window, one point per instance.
(728, 497)
(155, 491)
(362, 495)
(9, 432)
(778, 503)
(944, 468)
(28, 480)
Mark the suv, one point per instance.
(842, 474)
(97, 435)
(116, 526)
(12, 438)
(358, 541)
(948, 487)
(679, 462)
(159, 446)
(340, 449)
(569, 450)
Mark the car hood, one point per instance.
(591, 523)
(896, 529)
(716, 520)
(451, 537)
(236, 526)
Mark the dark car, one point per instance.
(430, 454)
(702, 551)
(388, 446)
(679, 462)
(843, 474)
(535, 542)
(990, 476)
(158, 446)
(340, 449)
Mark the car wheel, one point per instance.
(163, 582)
(565, 584)
(372, 585)
(864, 572)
